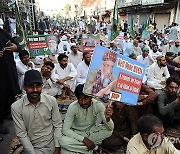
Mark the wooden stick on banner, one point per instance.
(110, 103)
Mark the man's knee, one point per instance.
(107, 142)
(64, 141)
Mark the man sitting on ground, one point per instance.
(82, 68)
(150, 139)
(36, 118)
(23, 65)
(173, 67)
(124, 127)
(144, 58)
(157, 74)
(75, 57)
(65, 74)
(81, 134)
(169, 102)
(49, 87)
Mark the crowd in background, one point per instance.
(66, 69)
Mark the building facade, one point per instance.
(29, 10)
(161, 12)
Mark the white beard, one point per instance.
(53, 49)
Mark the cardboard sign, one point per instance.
(42, 44)
(89, 42)
(114, 76)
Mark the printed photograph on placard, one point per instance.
(42, 44)
(114, 76)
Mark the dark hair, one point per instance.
(79, 90)
(23, 53)
(154, 44)
(85, 53)
(169, 54)
(146, 123)
(172, 79)
(49, 63)
(61, 56)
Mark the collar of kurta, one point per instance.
(26, 101)
(141, 142)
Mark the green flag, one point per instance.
(28, 29)
(146, 33)
(21, 38)
(131, 30)
(115, 25)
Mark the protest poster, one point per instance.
(42, 44)
(114, 76)
(89, 41)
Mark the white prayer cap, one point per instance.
(73, 44)
(171, 41)
(64, 38)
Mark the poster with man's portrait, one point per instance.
(42, 44)
(114, 76)
(89, 41)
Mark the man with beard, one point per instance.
(173, 67)
(36, 118)
(150, 139)
(81, 133)
(174, 32)
(75, 57)
(49, 86)
(52, 44)
(157, 74)
(144, 58)
(82, 68)
(135, 49)
(23, 65)
(64, 75)
(176, 48)
(101, 81)
(169, 102)
(154, 53)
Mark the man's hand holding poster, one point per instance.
(114, 76)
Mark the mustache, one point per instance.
(35, 93)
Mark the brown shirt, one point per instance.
(147, 95)
(124, 122)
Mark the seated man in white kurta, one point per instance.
(49, 86)
(64, 74)
(157, 74)
(23, 65)
(82, 68)
(75, 57)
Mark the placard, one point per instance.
(89, 42)
(114, 76)
(42, 44)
